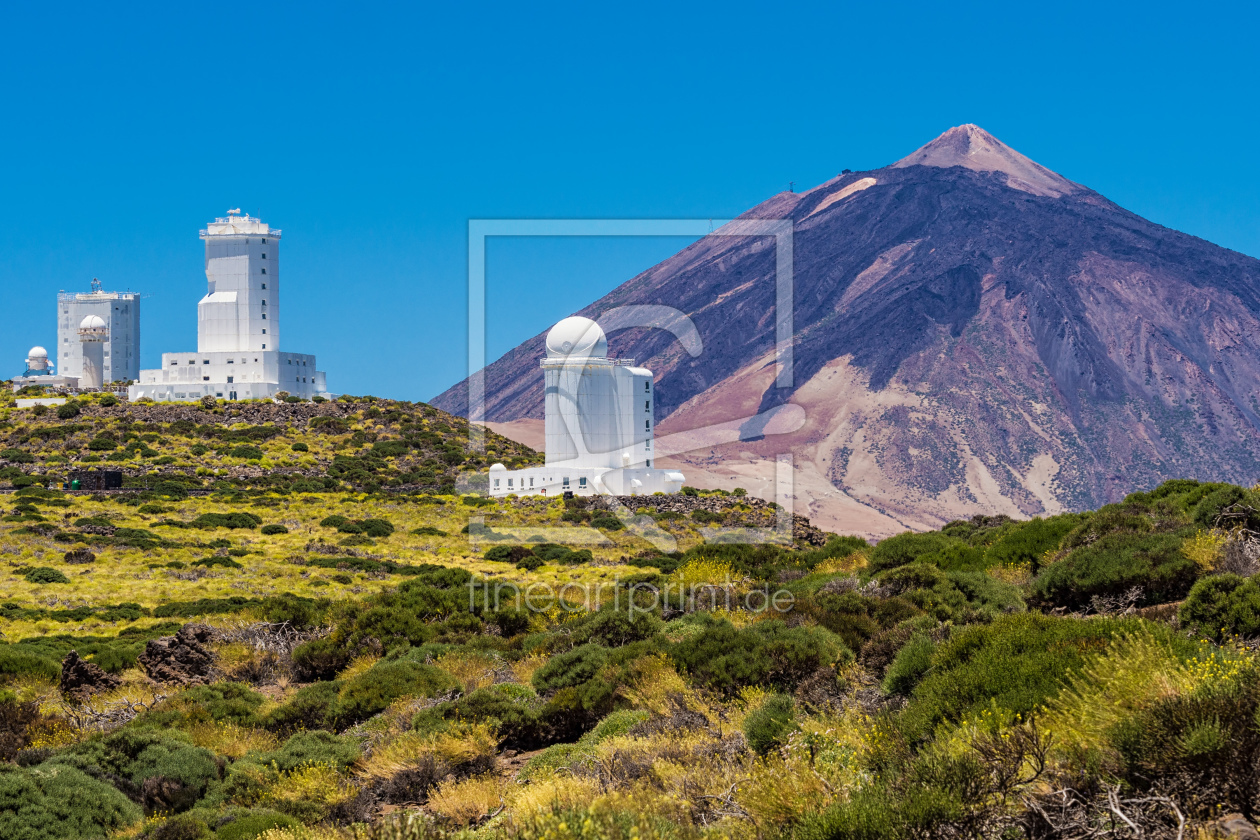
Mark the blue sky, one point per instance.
(371, 133)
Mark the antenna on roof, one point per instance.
(235, 212)
(791, 186)
(96, 285)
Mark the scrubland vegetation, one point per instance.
(373, 675)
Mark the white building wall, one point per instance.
(241, 309)
(240, 375)
(121, 313)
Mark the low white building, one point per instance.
(39, 371)
(599, 423)
(238, 353)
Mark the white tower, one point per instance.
(598, 423)
(241, 309)
(93, 333)
(598, 411)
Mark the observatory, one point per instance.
(120, 346)
(599, 423)
(39, 371)
(238, 353)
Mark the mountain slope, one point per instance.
(973, 333)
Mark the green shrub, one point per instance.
(227, 520)
(250, 826)
(1015, 663)
(247, 452)
(180, 827)
(374, 689)
(18, 456)
(273, 529)
(44, 574)
(102, 444)
(1027, 542)
(767, 727)
(1222, 606)
(68, 410)
(428, 531)
(909, 547)
(909, 665)
(300, 447)
(570, 668)
(15, 661)
(607, 523)
(377, 528)
(60, 803)
(1115, 563)
(307, 710)
(226, 701)
(767, 652)
(215, 561)
(106, 401)
(317, 747)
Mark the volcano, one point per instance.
(972, 333)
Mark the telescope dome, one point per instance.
(92, 322)
(578, 337)
(37, 352)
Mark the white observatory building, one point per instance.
(238, 326)
(120, 350)
(39, 371)
(599, 423)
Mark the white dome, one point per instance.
(92, 322)
(578, 337)
(498, 468)
(37, 353)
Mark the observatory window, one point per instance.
(565, 482)
(582, 481)
(264, 256)
(230, 379)
(205, 379)
(264, 241)
(531, 482)
(264, 271)
(647, 387)
(264, 316)
(231, 361)
(264, 285)
(264, 303)
(264, 346)
(648, 463)
(496, 484)
(509, 484)
(647, 405)
(205, 361)
(647, 425)
(175, 362)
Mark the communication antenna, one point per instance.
(96, 285)
(791, 186)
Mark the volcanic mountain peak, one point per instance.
(972, 147)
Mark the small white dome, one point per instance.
(498, 468)
(578, 337)
(92, 322)
(37, 352)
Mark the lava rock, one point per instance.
(81, 679)
(80, 556)
(182, 658)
